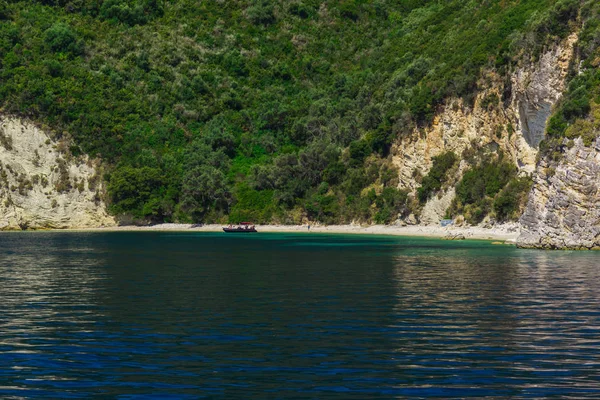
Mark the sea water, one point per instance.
(209, 315)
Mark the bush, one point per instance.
(131, 12)
(62, 39)
(204, 189)
(322, 207)
(511, 201)
(432, 182)
(359, 150)
(391, 204)
(261, 13)
(349, 10)
(422, 104)
(570, 117)
(486, 179)
(301, 10)
(475, 213)
(252, 205)
(131, 188)
(54, 68)
(381, 140)
(355, 181)
(4, 11)
(477, 189)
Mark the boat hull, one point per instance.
(237, 230)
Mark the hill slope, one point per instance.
(271, 111)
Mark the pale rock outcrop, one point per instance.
(436, 207)
(563, 209)
(535, 90)
(516, 127)
(41, 186)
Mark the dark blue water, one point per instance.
(293, 316)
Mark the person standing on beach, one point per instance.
(308, 227)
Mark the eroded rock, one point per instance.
(42, 186)
(562, 211)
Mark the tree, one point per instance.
(4, 12)
(62, 39)
(205, 189)
(261, 13)
(127, 12)
(130, 188)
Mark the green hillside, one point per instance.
(261, 110)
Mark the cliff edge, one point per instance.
(42, 186)
(562, 211)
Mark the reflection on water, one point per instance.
(38, 286)
(293, 316)
(521, 323)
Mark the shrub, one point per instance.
(422, 104)
(390, 204)
(510, 202)
(130, 188)
(381, 140)
(359, 150)
(572, 116)
(54, 68)
(261, 13)
(355, 181)
(251, 205)
(432, 182)
(475, 213)
(322, 207)
(479, 186)
(204, 190)
(4, 11)
(490, 100)
(301, 10)
(486, 179)
(349, 10)
(124, 11)
(62, 39)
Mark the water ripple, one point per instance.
(280, 316)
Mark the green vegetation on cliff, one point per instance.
(438, 173)
(491, 186)
(578, 113)
(262, 110)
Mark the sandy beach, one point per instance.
(507, 233)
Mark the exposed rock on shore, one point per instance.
(563, 210)
(42, 186)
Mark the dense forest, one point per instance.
(274, 111)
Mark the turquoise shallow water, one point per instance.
(181, 315)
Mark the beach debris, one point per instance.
(454, 236)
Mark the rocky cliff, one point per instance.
(508, 116)
(563, 212)
(42, 186)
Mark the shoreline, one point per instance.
(505, 233)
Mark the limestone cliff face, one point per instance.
(515, 127)
(41, 186)
(563, 209)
